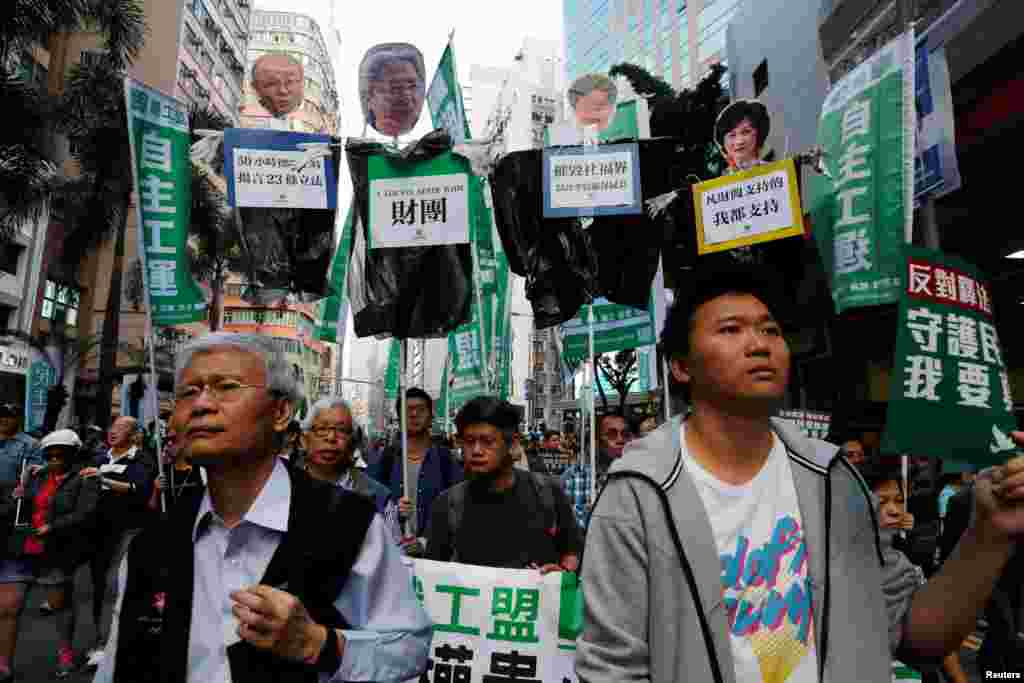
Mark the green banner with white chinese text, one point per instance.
(160, 141)
(861, 209)
(950, 395)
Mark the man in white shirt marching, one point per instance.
(728, 547)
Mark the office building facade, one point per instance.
(676, 40)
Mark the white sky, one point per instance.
(486, 33)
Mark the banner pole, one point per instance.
(593, 404)
(404, 424)
(664, 380)
(150, 334)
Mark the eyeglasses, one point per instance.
(323, 432)
(222, 391)
(486, 443)
(395, 88)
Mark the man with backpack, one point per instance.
(501, 516)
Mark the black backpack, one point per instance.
(543, 485)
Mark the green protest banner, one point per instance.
(465, 370)
(500, 624)
(616, 327)
(862, 209)
(444, 97)
(332, 312)
(159, 136)
(393, 370)
(950, 395)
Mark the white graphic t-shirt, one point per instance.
(765, 581)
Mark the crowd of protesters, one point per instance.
(259, 547)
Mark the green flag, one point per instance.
(160, 142)
(444, 97)
(950, 391)
(394, 369)
(332, 312)
(616, 328)
(862, 210)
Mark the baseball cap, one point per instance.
(60, 437)
(9, 410)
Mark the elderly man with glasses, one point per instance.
(265, 574)
(328, 439)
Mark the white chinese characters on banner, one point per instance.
(419, 211)
(747, 208)
(268, 178)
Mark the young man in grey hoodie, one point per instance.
(728, 547)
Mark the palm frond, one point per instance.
(123, 22)
(26, 22)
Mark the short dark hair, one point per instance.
(711, 282)
(550, 433)
(492, 411)
(414, 392)
(878, 472)
(733, 115)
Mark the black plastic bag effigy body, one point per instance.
(566, 265)
(407, 292)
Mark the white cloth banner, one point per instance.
(494, 625)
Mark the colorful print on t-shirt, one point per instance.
(768, 598)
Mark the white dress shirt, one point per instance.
(390, 633)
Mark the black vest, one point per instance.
(326, 530)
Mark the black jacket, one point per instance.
(71, 515)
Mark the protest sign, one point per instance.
(420, 204)
(464, 377)
(332, 312)
(950, 396)
(262, 170)
(748, 207)
(862, 208)
(40, 377)
(393, 370)
(159, 137)
(814, 425)
(499, 624)
(616, 327)
(592, 181)
(444, 97)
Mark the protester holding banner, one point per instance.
(247, 561)
(730, 481)
(327, 436)
(501, 516)
(431, 470)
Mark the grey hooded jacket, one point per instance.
(651, 575)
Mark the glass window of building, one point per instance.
(60, 303)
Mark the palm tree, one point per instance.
(91, 112)
(214, 248)
(27, 171)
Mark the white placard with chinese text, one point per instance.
(747, 208)
(498, 624)
(594, 180)
(267, 178)
(420, 211)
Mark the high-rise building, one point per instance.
(297, 35)
(213, 54)
(677, 40)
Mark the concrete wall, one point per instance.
(785, 33)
